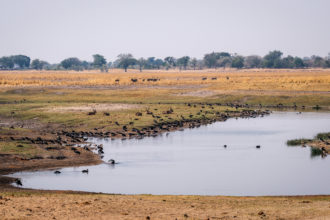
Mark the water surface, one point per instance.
(194, 161)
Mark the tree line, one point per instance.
(274, 59)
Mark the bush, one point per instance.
(323, 136)
(297, 142)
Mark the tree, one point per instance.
(72, 63)
(141, 62)
(212, 59)
(237, 62)
(170, 62)
(253, 61)
(158, 63)
(183, 61)
(273, 59)
(224, 62)
(194, 63)
(6, 63)
(126, 60)
(99, 62)
(21, 60)
(287, 62)
(298, 62)
(318, 61)
(39, 64)
(86, 65)
(150, 62)
(327, 61)
(16, 61)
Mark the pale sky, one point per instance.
(53, 30)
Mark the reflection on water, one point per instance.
(316, 152)
(195, 161)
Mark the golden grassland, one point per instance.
(223, 80)
(40, 95)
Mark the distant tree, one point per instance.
(16, 61)
(273, 59)
(287, 62)
(158, 63)
(237, 62)
(327, 61)
(99, 62)
(200, 64)
(170, 62)
(126, 60)
(210, 60)
(224, 62)
(318, 61)
(141, 62)
(39, 64)
(214, 59)
(193, 63)
(21, 61)
(253, 61)
(223, 54)
(150, 63)
(183, 62)
(72, 63)
(86, 65)
(6, 63)
(298, 62)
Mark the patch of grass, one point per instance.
(297, 142)
(18, 148)
(323, 136)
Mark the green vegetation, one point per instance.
(302, 141)
(297, 142)
(315, 152)
(323, 136)
(273, 59)
(18, 148)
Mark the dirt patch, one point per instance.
(65, 205)
(91, 107)
(6, 122)
(200, 93)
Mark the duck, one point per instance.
(85, 171)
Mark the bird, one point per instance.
(111, 161)
(258, 146)
(18, 182)
(225, 146)
(85, 171)
(57, 172)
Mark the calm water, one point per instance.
(194, 161)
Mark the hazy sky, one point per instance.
(56, 29)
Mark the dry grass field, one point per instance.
(220, 80)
